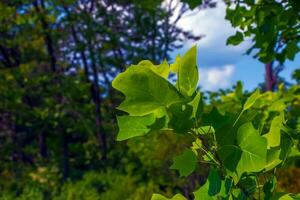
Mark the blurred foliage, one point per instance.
(272, 25)
(57, 107)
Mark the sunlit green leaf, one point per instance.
(145, 91)
(188, 72)
(254, 149)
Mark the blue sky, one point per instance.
(220, 66)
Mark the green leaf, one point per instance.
(196, 145)
(214, 182)
(225, 187)
(205, 130)
(254, 149)
(211, 187)
(249, 183)
(188, 73)
(282, 196)
(175, 66)
(291, 49)
(181, 120)
(196, 103)
(270, 186)
(163, 69)
(161, 197)
(235, 39)
(185, 163)
(251, 100)
(144, 91)
(230, 156)
(273, 158)
(273, 136)
(132, 126)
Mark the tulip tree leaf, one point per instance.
(273, 136)
(185, 163)
(132, 126)
(188, 72)
(163, 69)
(211, 187)
(251, 100)
(254, 149)
(196, 104)
(144, 90)
(175, 66)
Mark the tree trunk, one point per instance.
(270, 77)
(96, 96)
(43, 145)
(65, 155)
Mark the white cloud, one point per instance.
(212, 49)
(214, 78)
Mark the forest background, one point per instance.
(57, 107)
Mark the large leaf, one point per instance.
(230, 156)
(185, 163)
(188, 72)
(132, 126)
(145, 91)
(254, 149)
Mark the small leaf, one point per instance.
(291, 50)
(270, 186)
(188, 72)
(132, 126)
(273, 136)
(175, 66)
(235, 39)
(185, 163)
(196, 103)
(181, 120)
(196, 145)
(206, 130)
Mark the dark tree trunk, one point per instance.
(43, 145)
(270, 77)
(65, 156)
(96, 97)
(47, 37)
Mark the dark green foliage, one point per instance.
(273, 26)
